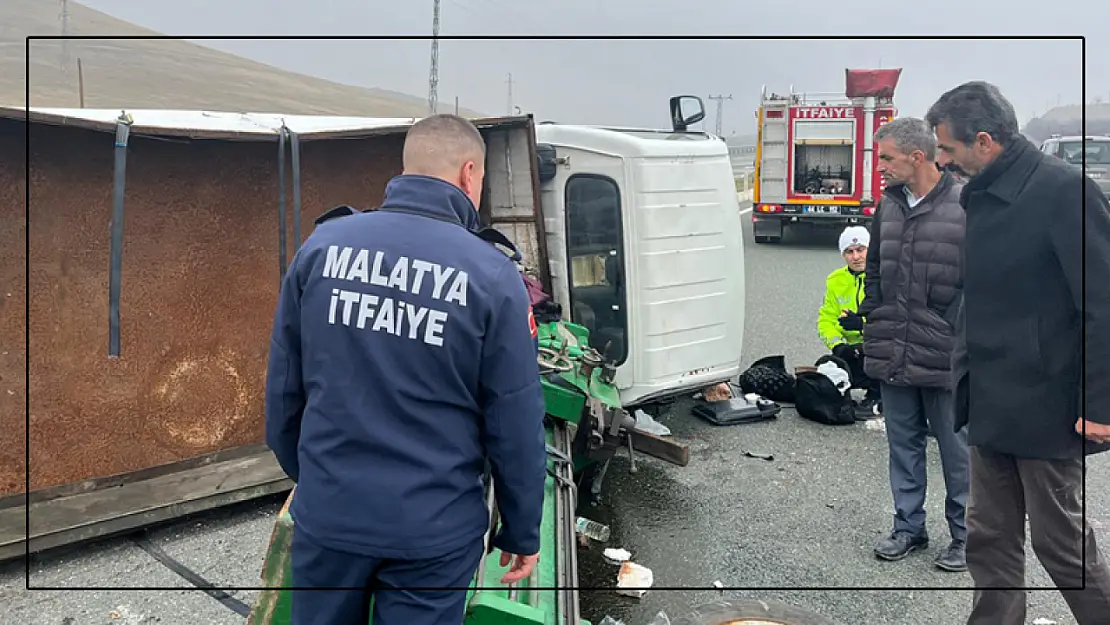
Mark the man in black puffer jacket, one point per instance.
(912, 281)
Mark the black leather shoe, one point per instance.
(953, 558)
(900, 545)
(867, 410)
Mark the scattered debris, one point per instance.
(1043, 621)
(767, 457)
(737, 410)
(592, 529)
(878, 425)
(661, 619)
(608, 620)
(718, 585)
(838, 376)
(634, 580)
(616, 556)
(645, 423)
(720, 392)
(125, 616)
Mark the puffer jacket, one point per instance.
(913, 278)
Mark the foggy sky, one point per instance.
(628, 82)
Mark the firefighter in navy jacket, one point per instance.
(402, 362)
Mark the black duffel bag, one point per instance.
(816, 398)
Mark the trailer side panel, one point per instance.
(13, 303)
(199, 282)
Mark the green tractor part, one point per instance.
(578, 389)
(585, 426)
(531, 602)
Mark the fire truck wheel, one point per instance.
(751, 613)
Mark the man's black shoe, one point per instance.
(867, 410)
(953, 558)
(900, 545)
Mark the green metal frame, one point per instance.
(566, 400)
(493, 603)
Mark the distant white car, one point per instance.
(1075, 149)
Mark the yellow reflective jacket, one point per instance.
(843, 291)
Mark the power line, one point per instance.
(433, 73)
(720, 110)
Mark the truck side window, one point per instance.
(596, 252)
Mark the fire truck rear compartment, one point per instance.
(823, 169)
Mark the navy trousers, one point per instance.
(910, 413)
(388, 582)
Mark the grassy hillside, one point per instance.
(169, 74)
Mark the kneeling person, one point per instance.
(838, 324)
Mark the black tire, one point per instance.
(756, 612)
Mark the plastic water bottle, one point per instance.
(592, 529)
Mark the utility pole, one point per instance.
(433, 74)
(509, 106)
(720, 109)
(80, 83)
(65, 37)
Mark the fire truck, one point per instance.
(815, 163)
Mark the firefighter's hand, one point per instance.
(522, 566)
(1096, 432)
(851, 321)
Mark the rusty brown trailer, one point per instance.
(173, 424)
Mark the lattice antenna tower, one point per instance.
(720, 110)
(433, 74)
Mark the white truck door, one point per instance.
(588, 245)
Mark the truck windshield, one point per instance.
(1098, 152)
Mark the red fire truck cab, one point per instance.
(814, 161)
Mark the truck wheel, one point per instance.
(751, 613)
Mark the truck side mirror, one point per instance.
(545, 161)
(686, 110)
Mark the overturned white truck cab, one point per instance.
(645, 249)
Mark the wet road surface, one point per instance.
(807, 519)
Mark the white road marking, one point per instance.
(745, 211)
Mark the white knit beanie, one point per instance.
(854, 235)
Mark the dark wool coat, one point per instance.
(1034, 349)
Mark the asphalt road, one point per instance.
(807, 519)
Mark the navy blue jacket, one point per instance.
(401, 362)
